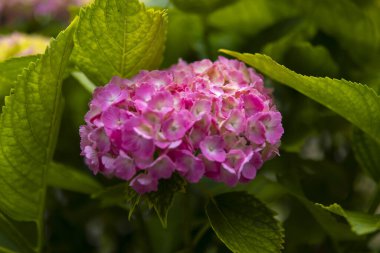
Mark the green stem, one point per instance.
(84, 81)
(200, 234)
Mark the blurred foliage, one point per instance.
(324, 158)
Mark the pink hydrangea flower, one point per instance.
(204, 119)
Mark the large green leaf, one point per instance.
(65, 177)
(118, 38)
(358, 103)
(28, 130)
(367, 153)
(10, 69)
(244, 223)
(361, 223)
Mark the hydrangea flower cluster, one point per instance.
(212, 119)
(18, 44)
(11, 10)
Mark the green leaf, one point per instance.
(118, 38)
(244, 223)
(68, 178)
(367, 152)
(162, 199)
(11, 240)
(361, 223)
(10, 69)
(28, 131)
(201, 6)
(358, 103)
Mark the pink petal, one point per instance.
(189, 166)
(234, 159)
(176, 126)
(114, 118)
(162, 102)
(249, 169)
(253, 104)
(212, 148)
(255, 131)
(236, 122)
(136, 144)
(124, 166)
(100, 140)
(144, 183)
(91, 158)
(162, 167)
(200, 108)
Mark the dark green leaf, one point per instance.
(162, 200)
(68, 178)
(358, 103)
(244, 223)
(118, 38)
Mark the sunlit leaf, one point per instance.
(118, 38)
(10, 69)
(28, 131)
(361, 223)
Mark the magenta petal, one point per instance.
(108, 163)
(124, 166)
(136, 144)
(235, 159)
(189, 166)
(212, 148)
(255, 131)
(228, 175)
(236, 122)
(201, 107)
(162, 167)
(252, 104)
(91, 158)
(144, 183)
(175, 127)
(249, 169)
(162, 102)
(100, 139)
(114, 118)
(274, 128)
